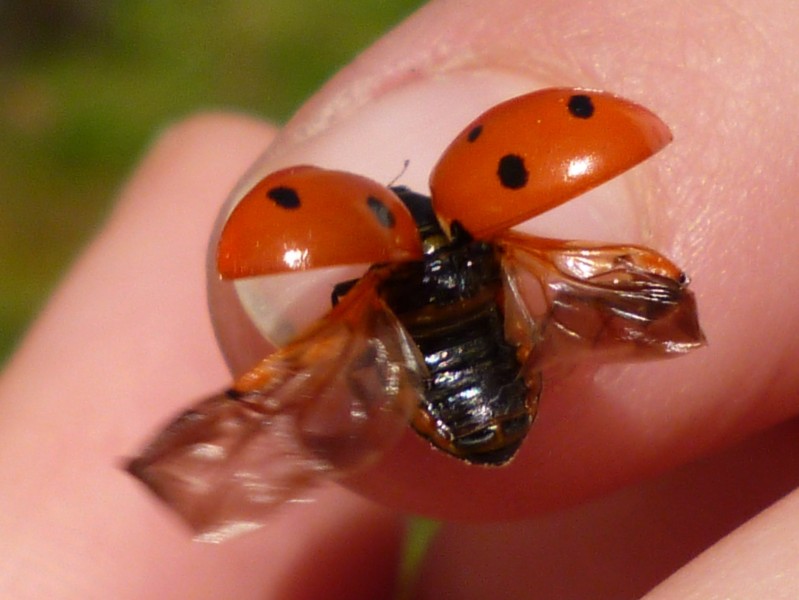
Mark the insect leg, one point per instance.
(341, 289)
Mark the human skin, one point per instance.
(630, 471)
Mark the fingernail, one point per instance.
(413, 124)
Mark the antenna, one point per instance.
(405, 164)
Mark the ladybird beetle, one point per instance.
(438, 332)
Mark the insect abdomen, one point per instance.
(476, 405)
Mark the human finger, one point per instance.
(712, 78)
(125, 343)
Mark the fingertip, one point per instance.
(134, 302)
(601, 430)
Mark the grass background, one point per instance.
(85, 85)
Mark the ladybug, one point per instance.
(442, 331)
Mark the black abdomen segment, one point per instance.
(476, 404)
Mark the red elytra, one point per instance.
(517, 160)
(305, 217)
(534, 152)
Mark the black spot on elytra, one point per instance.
(284, 197)
(383, 213)
(581, 106)
(512, 172)
(474, 133)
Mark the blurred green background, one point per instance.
(85, 85)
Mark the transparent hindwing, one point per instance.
(614, 302)
(330, 402)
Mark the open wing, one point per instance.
(615, 302)
(328, 403)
